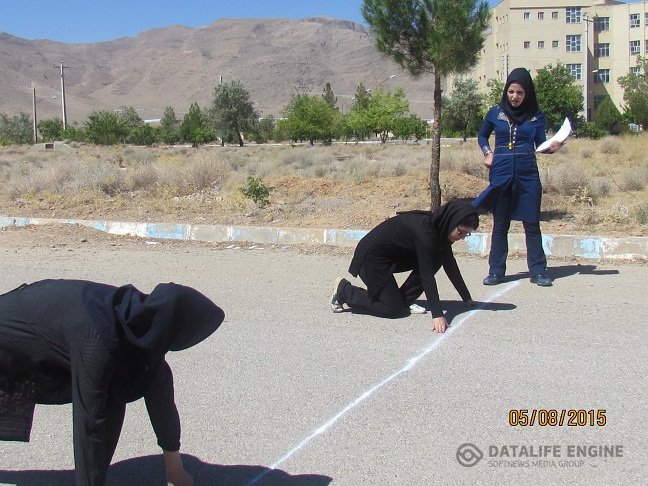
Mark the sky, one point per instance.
(87, 21)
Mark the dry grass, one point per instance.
(589, 185)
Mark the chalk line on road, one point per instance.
(411, 363)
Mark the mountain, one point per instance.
(175, 66)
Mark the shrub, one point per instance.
(610, 146)
(257, 191)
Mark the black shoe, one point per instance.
(336, 299)
(542, 280)
(493, 279)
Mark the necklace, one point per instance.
(512, 135)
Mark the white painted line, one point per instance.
(411, 363)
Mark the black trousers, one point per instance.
(383, 299)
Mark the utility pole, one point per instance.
(62, 67)
(35, 136)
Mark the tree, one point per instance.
(463, 109)
(558, 95)
(129, 118)
(194, 127)
(105, 128)
(328, 96)
(494, 95)
(440, 37)
(362, 96)
(410, 126)
(384, 109)
(608, 117)
(16, 129)
(265, 129)
(51, 129)
(232, 112)
(143, 135)
(308, 118)
(169, 126)
(635, 93)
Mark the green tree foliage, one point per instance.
(558, 95)
(635, 94)
(308, 118)
(232, 112)
(51, 129)
(329, 96)
(169, 126)
(195, 127)
(494, 95)
(17, 129)
(129, 118)
(265, 130)
(257, 191)
(410, 126)
(105, 128)
(383, 111)
(143, 135)
(608, 117)
(74, 133)
(362, 96)
(439, 37)
(462, 112)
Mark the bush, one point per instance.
(257, 191)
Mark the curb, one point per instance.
(478, 244)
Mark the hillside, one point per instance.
(175, 66)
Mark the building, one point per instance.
(598, 41)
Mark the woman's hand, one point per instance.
(555, 146)
(488, 160)
(175, 471)
(439, 324)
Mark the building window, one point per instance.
(636, 70)
(635, 47)
(527, 44)
(527, 15)
(602, 50)
(541, 15)
(634, 21)
(554, 15)
(555, 44)
(598, 99)
(602, 76)
(540, 44)
(573, 15)
(573, 43)
(576, 71)
(601, 24)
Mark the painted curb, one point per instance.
(556, 246)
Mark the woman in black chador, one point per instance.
(419, 241)
(98, 347)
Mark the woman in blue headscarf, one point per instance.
(515, 191)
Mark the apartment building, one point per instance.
(598, 41)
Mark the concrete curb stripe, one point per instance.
(559, 246)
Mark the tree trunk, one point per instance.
(435, 186)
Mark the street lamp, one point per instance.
(383, 81)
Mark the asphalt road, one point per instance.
(288, 393)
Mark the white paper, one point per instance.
(560, 136)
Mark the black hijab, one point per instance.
(171, 318)
(529, 107)
(440, 223)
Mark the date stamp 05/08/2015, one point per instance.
(557, 417)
